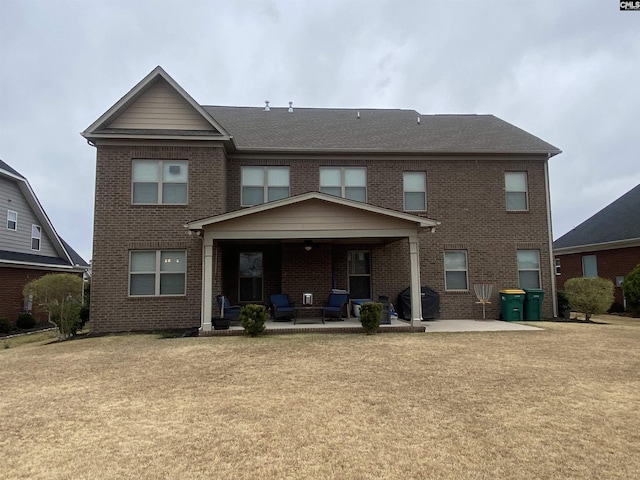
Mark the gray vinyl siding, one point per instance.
(11, 198)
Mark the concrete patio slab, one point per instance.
(436, 326)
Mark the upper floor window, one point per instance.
(589, 266)
(160, 181)
(529, 268)
(415, 191)
(515, 184)
(264, 184)
(455, 270)
(161, 272)
(345, 182)
(558, 267)
(12, 220)
(36, 237)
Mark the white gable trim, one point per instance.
(140, 88)
(420, 222)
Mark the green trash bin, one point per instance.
(511, 305)
(533, 303)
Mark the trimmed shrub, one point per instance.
(589, 295)
(25, 321)
(252, 319)
(6, 326)
(631, 288)
(370, 314)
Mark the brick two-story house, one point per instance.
(193, 201)
(30, 247)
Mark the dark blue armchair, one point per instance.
(336, 305)
(232, 312)
(281, 307)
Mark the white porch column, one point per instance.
(416, 297)
(207, 285)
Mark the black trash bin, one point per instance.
(430, 303)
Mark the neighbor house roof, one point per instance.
(67, 256)
(616, 225)
(307, 129)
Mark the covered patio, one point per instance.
(312, 217)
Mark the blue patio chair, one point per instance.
(335, 306)
(281, 307)
(232, 312)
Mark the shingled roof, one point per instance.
(619, 221)
(381, 130)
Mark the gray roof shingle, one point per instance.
(390, 130)
(618, 221)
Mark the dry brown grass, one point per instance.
(559, 403)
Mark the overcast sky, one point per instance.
(566, 71)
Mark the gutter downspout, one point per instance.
(552, 263)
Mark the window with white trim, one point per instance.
(529, 269)
(515, 184)
(12, 220)
(250, 277)
(359, 271)
(264, 184)
(415, 191)
(160, 182)
(558, 270)
(345, 182)
(455, 270)
(157, 272)
(36, 237)
(589, 266)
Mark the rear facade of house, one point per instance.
(196, 201)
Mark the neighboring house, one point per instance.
(607, 245)
(29, 245)
(194, 201)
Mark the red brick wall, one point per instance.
(611, 263)
(120, 227)
(12, 282)
(465, 193)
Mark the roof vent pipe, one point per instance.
(290, 107)
(358, 115)
(418, 120)
(266, 106)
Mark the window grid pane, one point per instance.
(157, 272)
(516, 191)
(355, 177)
(278, 177)
(528, 268)
(330, 177)
(12, 220)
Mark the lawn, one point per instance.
(562, 403)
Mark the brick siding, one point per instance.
(465, 193)
(611, 263)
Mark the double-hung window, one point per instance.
(12, 220)
(264, 184)
(36, 237)
(455, 270)
(415, 191)
(345, 182)
(157, 272)
(160, 181)
(529, 268)
(515, 185)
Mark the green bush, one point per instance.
(252, 319)
(589, 295)
(631, 288)
(5, 325)
(72, 322)
(370, 314)
(25, 321)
